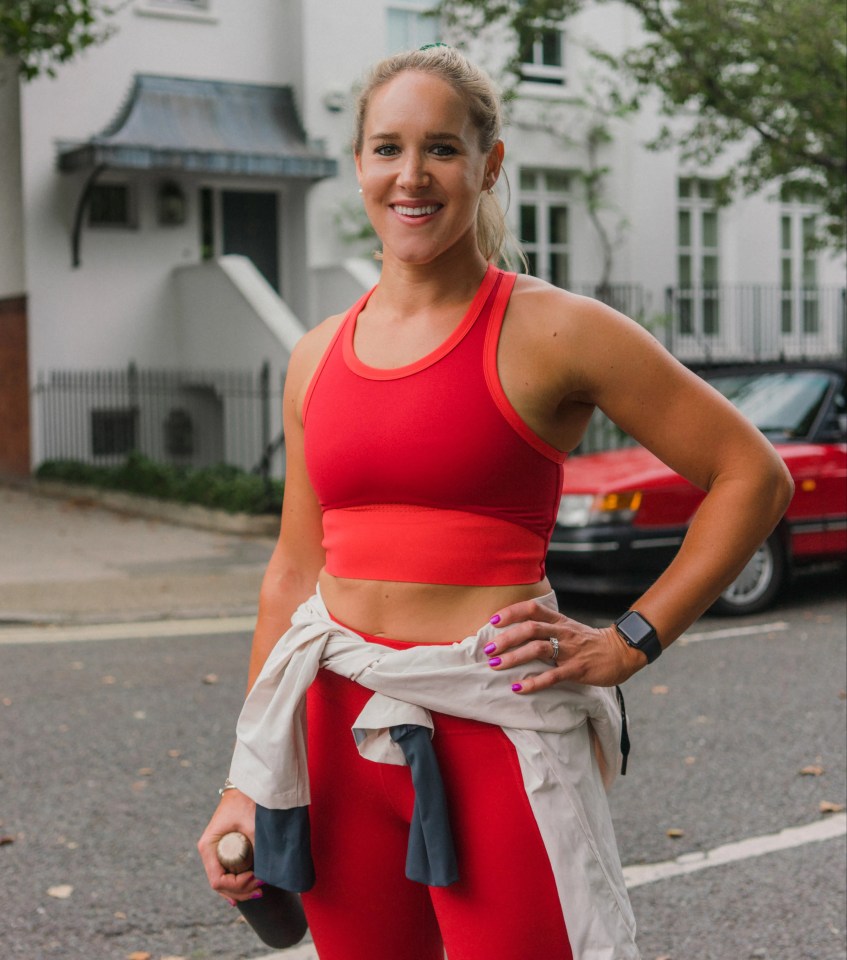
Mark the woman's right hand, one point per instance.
(236, 812)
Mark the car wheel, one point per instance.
(758, 584)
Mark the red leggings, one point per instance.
(505, 905)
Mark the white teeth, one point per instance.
(415, 211)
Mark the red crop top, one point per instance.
(426, 473)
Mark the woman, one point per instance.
(425, 434)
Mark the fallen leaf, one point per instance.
(675, 833)
(812, 770)
(842, 694)
(659, 688)
(140, 715)
(108, 680)
(139, 785)
(145, 772)
(210, 678)
(174, 753)
(185, 763)
(60, 892)
(6, 840)
(173, 958)
(690, 760)
(139, 955)
(7, 702)
(828, 807)
(665, 956)
(120, 915)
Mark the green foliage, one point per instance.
(222, 487)
(767, 79)
(41, 34)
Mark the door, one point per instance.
(250, 227)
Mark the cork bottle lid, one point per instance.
(235, 854)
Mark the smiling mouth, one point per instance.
(416, 211)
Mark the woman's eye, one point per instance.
(386, 150)
(443, 150)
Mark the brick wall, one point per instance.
(14, 388)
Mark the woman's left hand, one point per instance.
(589, 655)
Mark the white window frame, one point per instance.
(417, 12)
(800, 298)
(701, 298)
(543, 199)
(535, 72)
(196, 10)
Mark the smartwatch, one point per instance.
(639, 633)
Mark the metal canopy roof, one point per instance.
(203, 126)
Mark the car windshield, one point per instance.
(778, 402)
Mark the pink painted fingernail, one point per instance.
(490, 647)
(495, 619)
(516, 687)
(260, 883)
(494, 662)
(230, 902)
(256, 896)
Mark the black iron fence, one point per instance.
(185, 417)
(755, 322)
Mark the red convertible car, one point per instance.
(623, 513)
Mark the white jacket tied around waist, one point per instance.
(567, 738)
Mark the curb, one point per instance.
(179, 514)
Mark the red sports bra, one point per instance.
(426, 473)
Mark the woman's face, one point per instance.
(421, 169)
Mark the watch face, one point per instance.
(635, 628)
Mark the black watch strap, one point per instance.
(639, 633)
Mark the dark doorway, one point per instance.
(250, 228)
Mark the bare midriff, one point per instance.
(419, 612)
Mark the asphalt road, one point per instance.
(111, 752)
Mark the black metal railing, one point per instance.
(186, 417)
(755, 322)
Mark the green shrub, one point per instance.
(222, 487)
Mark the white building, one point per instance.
(176, 198)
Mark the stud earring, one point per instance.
(360, 189)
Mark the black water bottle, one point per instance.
(277, 916)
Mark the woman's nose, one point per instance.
(413, 173)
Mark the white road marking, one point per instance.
(636, 876)
(751, 631)
(828, 828)
(126, 631)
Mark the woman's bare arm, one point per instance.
(608, 361)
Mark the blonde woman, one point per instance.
(426, 432)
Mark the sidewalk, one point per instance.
(70, 561)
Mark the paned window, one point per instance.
(112, 205)
(545, 229)
(410, 25)
(800, 308)
(698, 260)
(542, 54)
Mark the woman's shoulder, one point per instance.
(536, 298)
(312, 345)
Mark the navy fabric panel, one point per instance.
(431, 856)
(282, 854)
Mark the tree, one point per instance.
(41, 34)
(768, 79)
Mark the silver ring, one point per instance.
(555, 644)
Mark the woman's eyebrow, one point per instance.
(394, 135)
